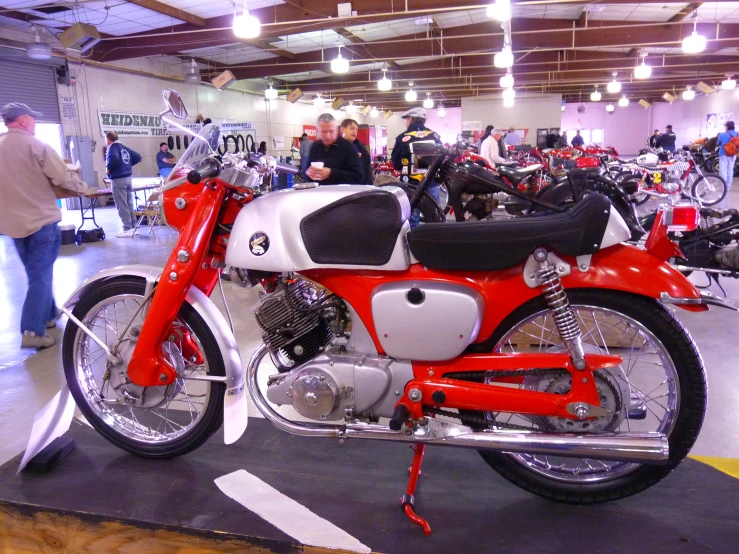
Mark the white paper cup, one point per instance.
(318, 165)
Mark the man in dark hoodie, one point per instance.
(349, 129)
(119, 162)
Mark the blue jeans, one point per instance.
(38, 253)
(123, 198)
(433, 190)
(165, 171)
(726, 168)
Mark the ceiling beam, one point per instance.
(685, 12)
(171, 11)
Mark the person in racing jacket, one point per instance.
(402, 157)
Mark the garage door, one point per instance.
(31, 84)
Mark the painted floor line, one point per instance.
(729, 466)
(283, 512)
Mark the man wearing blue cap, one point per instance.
(29, 214)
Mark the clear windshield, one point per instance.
(198, 150)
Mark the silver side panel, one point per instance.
(278, 215)
(439, 328)
(235, 408)
(616, 231)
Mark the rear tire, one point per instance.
(691, 386)
(139, 432)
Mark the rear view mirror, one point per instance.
(175, 104)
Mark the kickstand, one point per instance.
(407, 502)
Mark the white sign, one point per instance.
(235, 127)
(472, 125)
(278, 143)
(69, 110)
(130, 124)
(194, 127)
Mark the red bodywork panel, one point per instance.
(623, 268)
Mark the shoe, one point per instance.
(32, 340)
(125, 234)
(52, 322)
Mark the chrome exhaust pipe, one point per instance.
(646, 448)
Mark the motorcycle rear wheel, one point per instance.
(589, 481)
(168, 421)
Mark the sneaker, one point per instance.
(52, 322)
(32, 340)
(125, 234)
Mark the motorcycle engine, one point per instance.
(292, 331)
(727, 256)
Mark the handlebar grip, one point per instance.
(208, 168)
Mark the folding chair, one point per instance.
(151, 212)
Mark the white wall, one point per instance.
(530, 112)
(688, 119)
(448, 128)
(626, 129)
(122, 91)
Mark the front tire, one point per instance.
(710, 189)
(152, 422)
(653, 327)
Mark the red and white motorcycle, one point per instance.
(543, 342)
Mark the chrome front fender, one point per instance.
(235, 414)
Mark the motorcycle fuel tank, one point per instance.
(334, 226)
(426, 320)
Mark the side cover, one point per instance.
(336, 226)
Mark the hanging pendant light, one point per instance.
(563, 105)
(384, 84)
(729, 83)
(508, 94)
(500, 10)
(193, 77)
(694, 43)
(623, 101)
(595, 96)
(40, 50)
(270, 93)
(688, 94)
(508, 102)
(504, 58)
(428, 103)
(319, 102)
(411, 95)
(340, 64)
(614, 87)
(507, 81)
(610, 108)
(643, 71)
(374, 113)
(246, 25)
(441, 111)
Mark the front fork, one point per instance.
(185, 268)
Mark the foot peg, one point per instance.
(400, 416)
(408, 501)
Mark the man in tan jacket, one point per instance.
(29, 214)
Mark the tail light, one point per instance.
(681, 218)
(587, 162)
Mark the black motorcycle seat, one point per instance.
(498, 245)
(516, 175)
(507, 164)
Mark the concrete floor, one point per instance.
(29, 379)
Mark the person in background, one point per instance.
(165, 160)
(403, 159)
(667, 140)
(119, 162)
(494, 150)
(349, 130)
(30, 216)
(305, 145)
(653, 140)
(577, 140)
(335, 158)
(563, 142)
(513, 138)
(553, 139)
(485, 135)
(726, 161)
(262, 148)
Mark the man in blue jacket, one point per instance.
(725, 160)
(120, 161)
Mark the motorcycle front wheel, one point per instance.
(710, 189)
(660, 387)
(153, 422)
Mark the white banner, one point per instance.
(130, 124)
(235, 127)
(472, 125)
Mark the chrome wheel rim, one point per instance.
(647, 371)
(174, 410)
(709, 190)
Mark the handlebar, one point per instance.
(208, 168)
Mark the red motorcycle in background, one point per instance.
(543, 342)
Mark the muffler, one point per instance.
(645, 448)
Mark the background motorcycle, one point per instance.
(508, 339)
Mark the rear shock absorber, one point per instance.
(556, 297)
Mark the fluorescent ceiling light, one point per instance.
(246, 25)
(694, 43)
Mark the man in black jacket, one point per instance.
(667, 140)
(119, 161)
(333, 160)
(349, 129)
